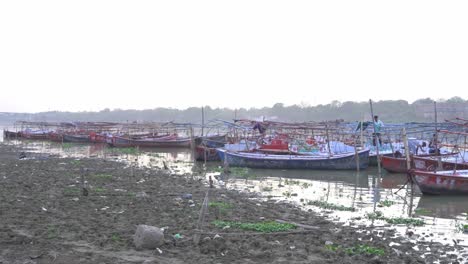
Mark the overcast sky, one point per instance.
(90, 55)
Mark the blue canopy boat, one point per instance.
(345, 161)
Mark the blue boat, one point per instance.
(345, 161)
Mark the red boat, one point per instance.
(432, 163)
(426, 162)
(167, 141)
(97, 138)
(447, 182)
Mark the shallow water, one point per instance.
(364, 191)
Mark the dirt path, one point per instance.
(44, 218)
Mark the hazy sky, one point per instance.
(89, 55)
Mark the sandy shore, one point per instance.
(46, 219)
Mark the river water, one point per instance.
(365, 191)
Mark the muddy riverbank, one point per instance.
(45, 218)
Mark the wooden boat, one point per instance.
(206, 147)
(394, 164)
(56, 136)
(448, 182)
(273, 161)
(39, 135)
(203, 151)
(97, 137)
(11, 134)
(167, 142)
(432, 163)
(421, 162)
(78, 138)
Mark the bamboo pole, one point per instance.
(407, 154)
(377, 142)
(202, 120)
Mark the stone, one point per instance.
(148, 237)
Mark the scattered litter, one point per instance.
(216, 236)
(328, 243)
(160, 251)
(187, 196)
(43, 209)
(105, 208)
(120, 190)
(292, 247)
(75, 199)
(178, 236)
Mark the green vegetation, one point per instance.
(130, 151)
(306, 185)
(357, 250)
(52, 232)
(102, 176)
(222, 206)
(462, 228)
(291, 182)
(264, 227)
(326, 205)
(395, 220)
(386, 203)
(75, 162)
(67, 145)
(422, 211)
(115, 238)
(71, 190)
(389, 111)
(98, 190)
(267, 189)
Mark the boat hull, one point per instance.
(437, 183)
(75, 138)
(155, 143)
(265, 161)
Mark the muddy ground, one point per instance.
(44, 218)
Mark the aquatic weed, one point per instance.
(357, 250)
(264, 227)
(331, 206)
(386, 203)
(395, 220)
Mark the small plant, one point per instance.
(287, 194)
(267, 189)
(291, 182)
(364, 250)
(221, 205)
(386, 203)
(102, 176)
(75, 162)
(306, 185)
(264, 227)
(99, 189)
(331, 206)
(462, 228)
(67, 145)
(357, 250)
(422, 211)
(131, 151)
(116, 238)
(52, 232)
(71, 191)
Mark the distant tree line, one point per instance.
(388, 110)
